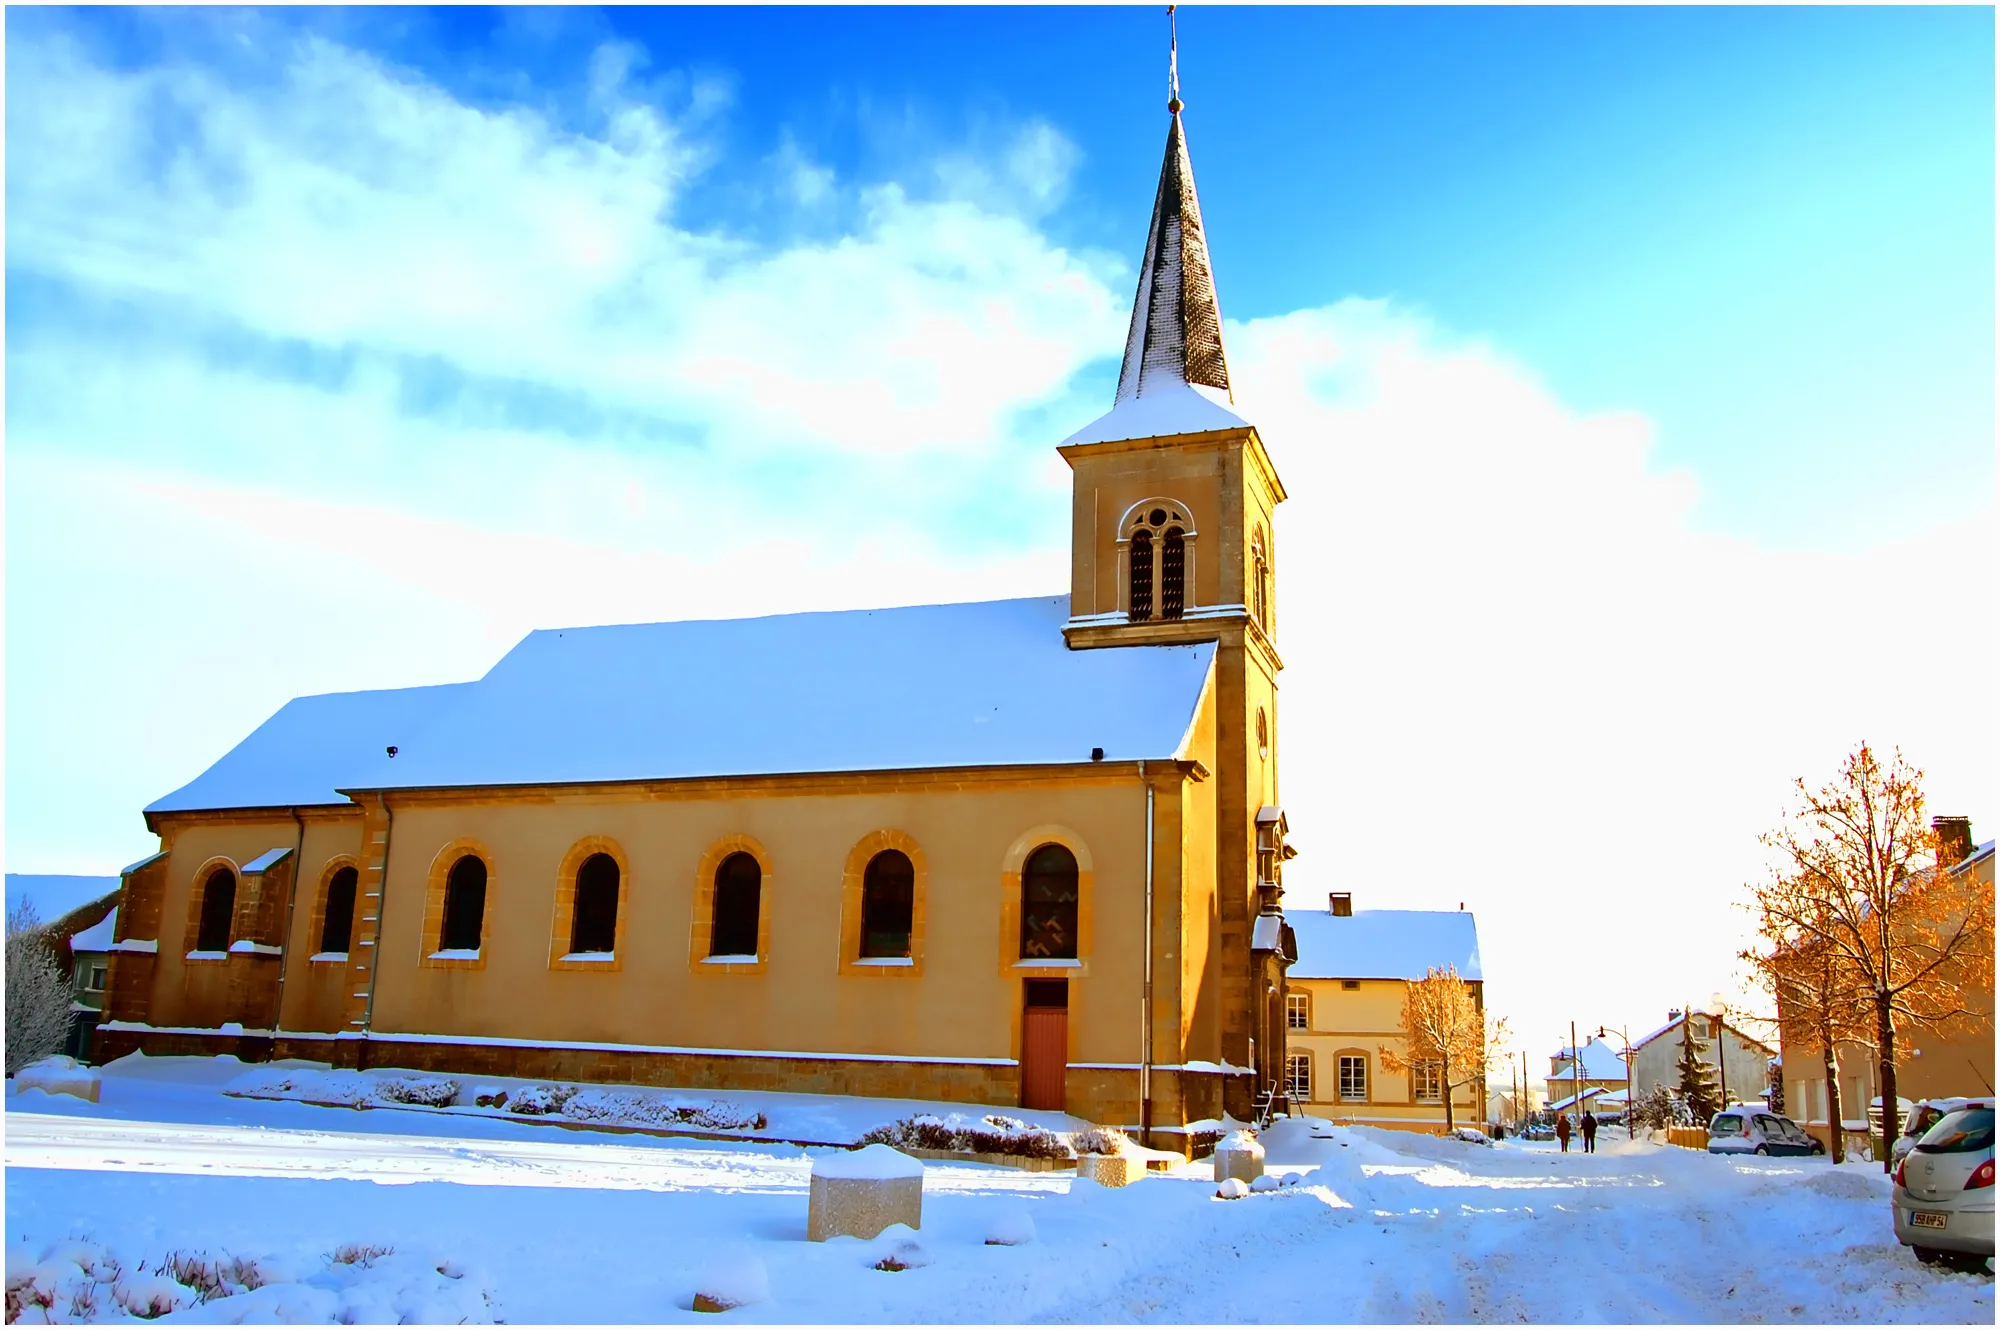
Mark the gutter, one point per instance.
(1146, 1013)
(291, 912)
(381, 899)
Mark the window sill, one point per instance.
(328, 958)
(873, 961)
(456, 954)
(742, 960)
(207, 956)
(591, 957)
(1052, 963)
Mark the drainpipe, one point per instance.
(285, 942)
(1146, 1015)
(381, 899)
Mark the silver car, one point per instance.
(1944, 1190)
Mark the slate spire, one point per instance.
(1175, 337)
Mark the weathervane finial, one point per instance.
(1173, 64)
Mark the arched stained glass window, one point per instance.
(1048, 904)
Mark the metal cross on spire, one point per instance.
(1173, 63)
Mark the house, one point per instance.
(1021, 851)
(1577, 1077)
(1344, 1004)
(1741, 1063)
(78, 914)
(1933, 1066)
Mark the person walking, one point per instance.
(1562, 1131)
(1589, 1132)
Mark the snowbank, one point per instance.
(620, 1106)
(58, 1075)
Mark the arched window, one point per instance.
(1260, 581)
(336, 930)
(594, 923)
(1142, 576)
(1173, 569)
(464, 905)
(888, 897)
(1048, 905)
(218, 908)
(738, 882)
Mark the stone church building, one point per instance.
(1014, 852)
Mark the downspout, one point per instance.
(285, 943)
(1146, 1013)
(381, 899)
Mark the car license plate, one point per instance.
(1925, 1219)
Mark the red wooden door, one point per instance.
(1044, 1056)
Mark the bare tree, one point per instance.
(38, 1015)
(1862, 875)
(1444, 1027)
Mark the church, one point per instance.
(1014, 852)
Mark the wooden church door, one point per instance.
(1044, 1043)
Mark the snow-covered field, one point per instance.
(486, 1218)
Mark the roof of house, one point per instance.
(56, 894)
(1600, 1062)
(1384, 944)
(1676, 1023)
(989, 683)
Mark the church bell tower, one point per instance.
(1172, 542)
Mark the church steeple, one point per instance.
(1175, 338)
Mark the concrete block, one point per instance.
(1105, 1170)
(1239, 1156)
(859, 1194)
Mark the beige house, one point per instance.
(1742, 1064)
(1344, 1004)
(1013, 852)
(1591, 1079)
(1933, 1067)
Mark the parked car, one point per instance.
(1922, 1118)
(1751, 1129)
(1944, 1190)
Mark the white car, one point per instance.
(1749, 1129)
(1944, 1190)
(1921, 1119)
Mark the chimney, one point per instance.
(1340, 903)
(1954, 835)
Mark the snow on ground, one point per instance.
(535, 1224)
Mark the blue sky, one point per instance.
(1603, 351)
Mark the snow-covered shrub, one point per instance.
(211, 1276)
(736, 1278)
(539, 1100)
(490, 1096)
(38, 1014)
(1264, 1182)
(358, 1253)
(1202, 1142)
(423, 1091)
(1011, 1227)
(1232, 1189)
(898, 1249)
(1099, 1141)
(1473, 1135)
(992, 1134)
(151, 1295)
(659, 1111)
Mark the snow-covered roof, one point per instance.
(1179, 409)
(1384, 944)
(1677, 1021)
(56, 894)
(990, 683)
(1267, 932)
(97, 937)
(263, 862)
(311, 748)
(1601, 1062)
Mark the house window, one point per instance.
(218, 908)
(594, 925)
(93, 980)
(739, 881)
(1299, 1078)
(336, 929)
(1048, 905)
(1142, 576)
(1297, 1013)
(464, 905)
(1173, 573)
(1429, 1078)
(1353, 1078)
(888, 898)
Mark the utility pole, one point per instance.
(1575, 1067)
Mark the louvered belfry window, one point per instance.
(1173, 573)
(1142, 576)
